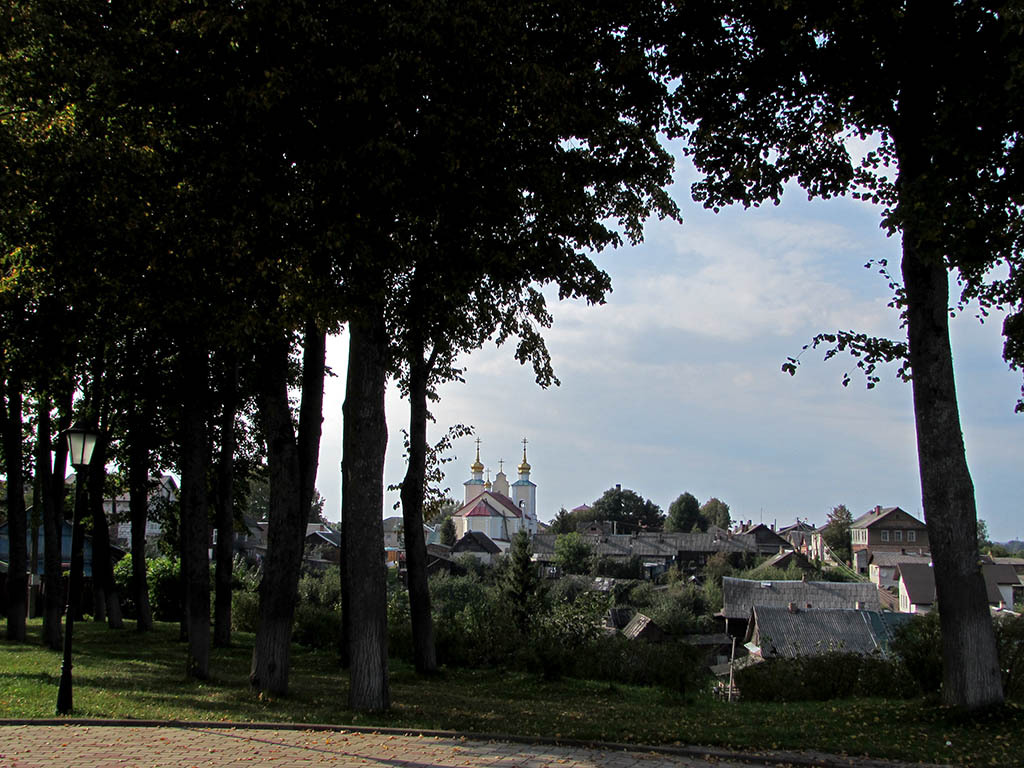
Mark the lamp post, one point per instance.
(81, 442)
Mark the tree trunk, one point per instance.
(424, 654)
(195, 525)
(17, 579)
(53, 589)
(363, 444)
(225, 507)
(106, 592)
(139, 419)
(292, 462)
(971, 677)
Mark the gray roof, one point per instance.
(781, 633)
(642, 627)
(890, 559)
(649, 545)
(919, 581)
(740, 595)
(476, 541)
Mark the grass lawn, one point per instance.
(127, 675)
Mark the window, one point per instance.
(885, 535)
(911, 535)
(898, 535)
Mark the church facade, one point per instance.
(498, 509)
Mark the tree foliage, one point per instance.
(627, 507)
(837, 532)
(572, 553)
(684, 515)
(716, 512)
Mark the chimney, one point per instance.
(793, 608)
(878, 510)
(618, 486)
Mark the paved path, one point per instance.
(206, 746)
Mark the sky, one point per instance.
(675, 384)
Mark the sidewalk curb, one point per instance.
(775, 757)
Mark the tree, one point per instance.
(983, 542)
(522, 584)
(771, 92)
(564, 522)
(837, 533)
(684, 515)
(448, 532)
(572, 553)
(627, 507)
(716, 512)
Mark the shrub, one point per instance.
(1010, 640)
(918, 645)
(245, 610)
(164, 584)
(316, 626)
(820, 678)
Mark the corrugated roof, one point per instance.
(870, 518)
(781, 633)
(740, 595)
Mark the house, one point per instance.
(774, 632)
(799, 535)
(641, 627)
(888, 529)
(163, 491)
(322, 547)
(882, 566)
(39, 569)
(784, 560)
(819, 548)
(477, 544)
(917, 586)
(768, 542)
(656, 551)
(739, 596)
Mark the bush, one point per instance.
(918, 645)
(165, 587)
(316, 626)
(1010, 641)
(245, 611)
(821, 678)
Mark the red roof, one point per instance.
(489, 504)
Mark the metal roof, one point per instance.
(783, 633)
(740, 595)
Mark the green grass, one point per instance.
(127, 675)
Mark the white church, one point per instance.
(498, 509)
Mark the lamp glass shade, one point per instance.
(81, 443)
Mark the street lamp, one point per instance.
(81, 442)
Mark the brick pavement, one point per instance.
(197, 746)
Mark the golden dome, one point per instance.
(476, 466)
(525, 466)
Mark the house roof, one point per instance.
(783, 633)
(740, 595)
(785, 559)
(327, 537)
(476, 541)
(392, 524)
(488, 504)
(888, 515)
(891, 559)
(641, 626)
(918, 581)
